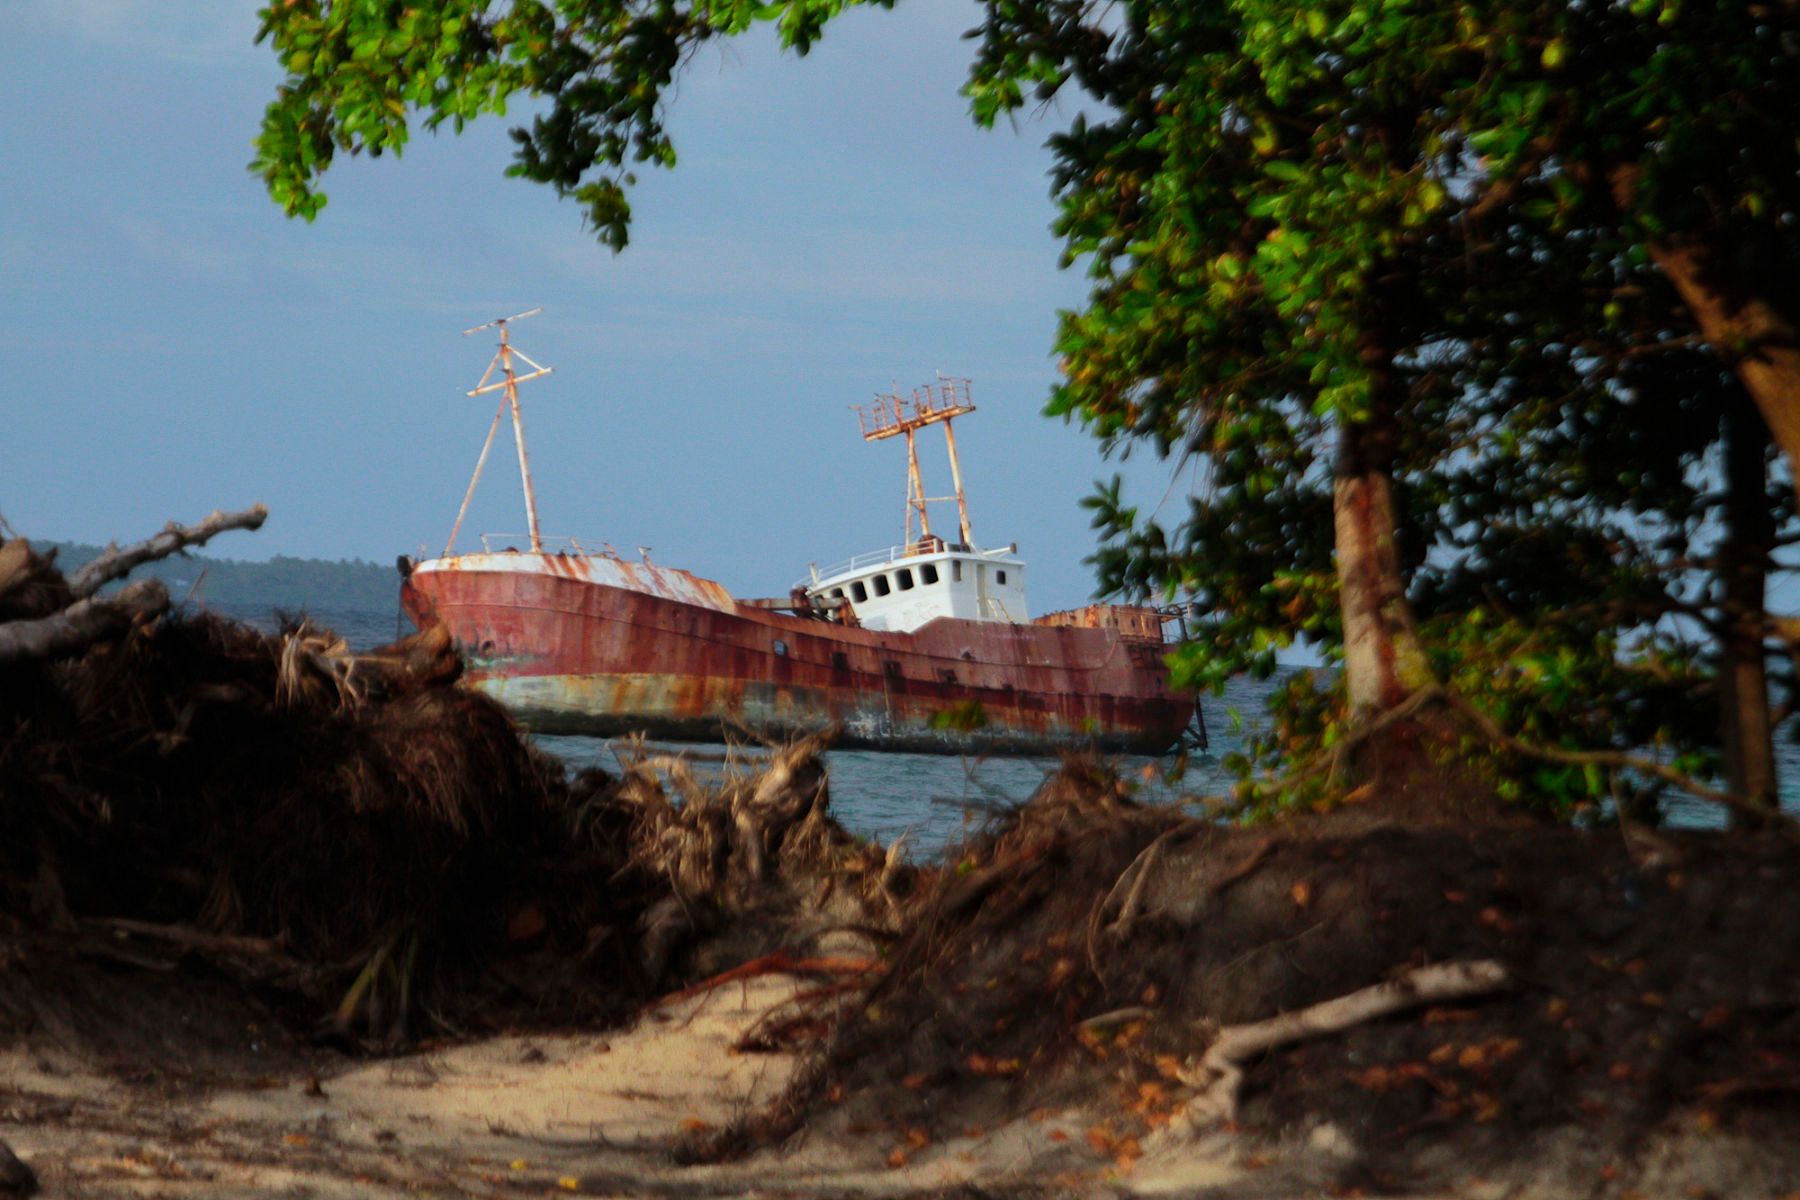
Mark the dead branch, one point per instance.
(82, 624)
(188, 938)
(779, 963)
(115, 562)
(1220, 1073)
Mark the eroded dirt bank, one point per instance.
(1037, 1025)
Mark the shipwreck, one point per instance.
(927, 646)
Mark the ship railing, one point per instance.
(876, 558)
(499, 543)
(894, 554)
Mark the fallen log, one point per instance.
(1220, 1073)
(82, 624)
(115, 562)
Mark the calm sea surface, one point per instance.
(933, 799)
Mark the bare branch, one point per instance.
(115, 563)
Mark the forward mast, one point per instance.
(508, 386)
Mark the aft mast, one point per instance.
(508, 385)
(894, 415)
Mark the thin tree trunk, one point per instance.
(1384, 661)
(1746, 740)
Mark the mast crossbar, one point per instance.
(498, 384)
(895, 415)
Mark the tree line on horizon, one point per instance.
(1479, 320)
(282, 581)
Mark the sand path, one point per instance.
(582, 1114)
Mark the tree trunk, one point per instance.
(1745, 737)
(1383, 659)
(1753, 334)
(1758, 342)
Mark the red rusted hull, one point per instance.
(568, 654)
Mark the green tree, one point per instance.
(1405, 220)
(359, 72)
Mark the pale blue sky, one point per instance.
(172, 343)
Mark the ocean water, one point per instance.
(933, 800)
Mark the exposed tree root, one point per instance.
(808, 1016)
(1219, 1075)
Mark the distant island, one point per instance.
(312, 584)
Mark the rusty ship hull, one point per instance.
(589, 644)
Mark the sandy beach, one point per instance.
(578, 1113)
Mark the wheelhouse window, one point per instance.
(1000, 577)
(956, 570)
(904, 578)
(859, 592)
(881, 585)
(928, 573)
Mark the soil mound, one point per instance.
(1089, 951)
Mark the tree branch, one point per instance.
(1490, 729)
(1619, 760)
(115, 563)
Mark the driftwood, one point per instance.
(116, 562)
(82, 624)
(1220, 1073)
